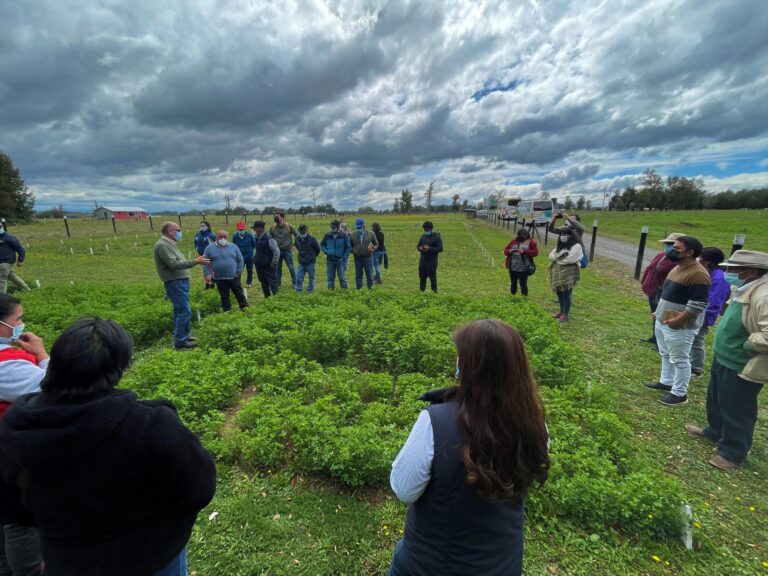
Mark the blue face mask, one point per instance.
(457, 368)
(178, 235)
(427, 232)
(18, 330)
(668, 248)
(733, 279)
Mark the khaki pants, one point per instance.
(7, 273)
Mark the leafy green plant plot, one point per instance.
(333, 390)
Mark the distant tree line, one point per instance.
(680, 193)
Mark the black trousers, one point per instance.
(267, 279)
(731, 412)
(428, 269)
(224, 287)
(513, 279)
(20, 551)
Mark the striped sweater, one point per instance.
(686, 290)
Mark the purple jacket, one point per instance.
(718, 294)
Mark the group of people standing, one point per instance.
(565, 261)
(689, 287)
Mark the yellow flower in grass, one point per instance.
(650, 516)
(751, 508)
(655, 558)
(697, 525)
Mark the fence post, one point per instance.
(178, 215)
(226, 217)
(66, 225)
(594, 239)
(738, 242)
(641, 251)
(151, 227)
(114, 226)
(546, 232)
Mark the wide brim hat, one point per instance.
(746, 259)
(672, 238)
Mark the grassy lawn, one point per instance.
(276, 523)
(712, 227)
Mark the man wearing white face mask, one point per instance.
(227, 263)
(740, 364)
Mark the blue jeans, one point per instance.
(675, 349)
(698, 350)
(334, 267)
(363, 264)
(378, 258)
(178, 293)
(287, 257)
(565, 298)
(249, 271)
(177, 567)
(306, 269)
(399, 566)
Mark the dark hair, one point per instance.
(524, 233)
(571, 238)
(427, 225)
(303, 228)
(8, 304)
(259, 224)
(500, 412)
(89, 357)
(691, 243)
(712, 255)
(335, 224)
(207, 224)
(376, 227)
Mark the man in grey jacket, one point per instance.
(173, 270)
(227, 262)
(364, 244)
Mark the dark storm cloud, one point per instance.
(265, 101)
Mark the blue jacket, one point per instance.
(202, 240)
(336, 245)
(9, 248)
(227, 262)
(246, 243)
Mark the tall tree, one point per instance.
(428, 195)
(684, 193)
(17, 202)
(455, 202)
(465, 204)
(652, 183)
(396, 207)
(581, 202)
(568, 204)
(406, 201)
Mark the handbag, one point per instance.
(530, 267)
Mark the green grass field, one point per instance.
(712, 227)
(275, 522)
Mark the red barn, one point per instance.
(120, 213)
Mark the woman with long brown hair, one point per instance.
(470, 460)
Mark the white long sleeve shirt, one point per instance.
(19, 377)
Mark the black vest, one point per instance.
(263, 252)
(450, 530)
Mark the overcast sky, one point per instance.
(174, 104)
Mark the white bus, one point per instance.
(539, 211)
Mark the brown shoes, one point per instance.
(719, 462)
(695, 430)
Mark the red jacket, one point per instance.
(13, 354)
(656, 274)
(532, 250)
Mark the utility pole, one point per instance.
(428, 195)
(605, 193)
(314, 199)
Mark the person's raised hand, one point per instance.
(202, 260)
(33, 344)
